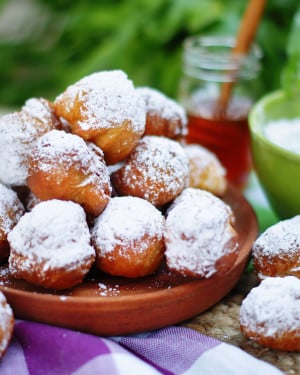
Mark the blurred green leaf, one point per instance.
(291, 72)
(73, 38)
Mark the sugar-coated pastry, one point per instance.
(104, 108)
(19, 132)
(270, 313)
(63, 166)
(156, 170)
(50, 245)
(42, 110)
(165, 117)
(7, 323)
(128, 237)
(200, 236)
(276, 252)
(11, 210)
(206, 171)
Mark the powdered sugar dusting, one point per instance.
(66, 150)
(124, 221)
(167, 108)
(11, 209)
(18, 134)
(109, 99)
(41, 109)
(108, 291)
(203, 157)
(280, 239)
(161, 165)
(6, 322)
(199, 230)
(54, 233)
(273, 307)
(206, 170)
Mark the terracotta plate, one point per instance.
(114, 306)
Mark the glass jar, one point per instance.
(217, 91)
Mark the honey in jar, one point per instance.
(208, 65)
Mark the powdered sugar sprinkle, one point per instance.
(273, 307)
(54, 232)
(282, 238)
(109, 98)
(199, 230)
(124, 221)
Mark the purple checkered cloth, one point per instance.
(40, 349)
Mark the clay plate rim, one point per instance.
(140, 311)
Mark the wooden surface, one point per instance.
(116, 306)
(222, 322)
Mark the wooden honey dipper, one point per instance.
(244, 40)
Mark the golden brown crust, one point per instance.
(206, 171)
(55, 279)
(165, 117)
(50, 245)
(7, 323)
(69, 173)
(200, 235)
(11, 209)
(276, 252)
(157, 125)
(117, 143)
(42, 111)
(134, 263)
(286, 341)
(105, 109)
(269, 314)
(277, 265)
(128, 238)
(156, 170)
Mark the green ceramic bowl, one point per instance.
(278, 169)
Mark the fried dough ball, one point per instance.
(19, 131)
(104, 108)
(50, 245)
(156, 170)
(128, 237)
(276, 252)
(7, 323)
(270, 314)
(63, 166)
(200, 236)
(165, 117)
(206, 171)
(43, 111)
(11, 210)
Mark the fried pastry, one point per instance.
(157, 170)
(128, 237)
(200, 236)
(270, 313)
(19, 131)
(104, 108)
(164, 116)
(63, 166)
(276, 251)
(11, 210)
(50, 245)
(206, 171)
(7, 323)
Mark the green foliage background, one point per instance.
(67, 39)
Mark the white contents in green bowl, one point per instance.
(284, 133)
